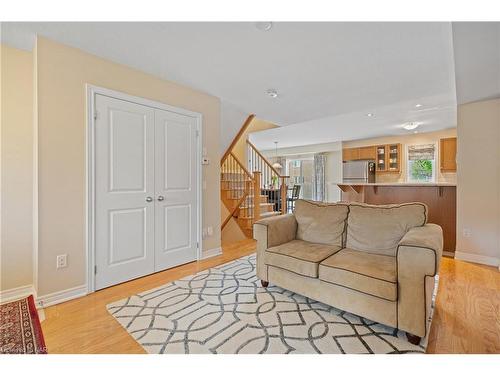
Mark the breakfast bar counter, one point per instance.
(439, 197)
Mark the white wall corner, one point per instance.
(16, 293)
(209, 253)
(61, 296)
(477, 258)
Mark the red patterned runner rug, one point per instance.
(20, 330)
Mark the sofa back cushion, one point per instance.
(323, 223)
(378, 229)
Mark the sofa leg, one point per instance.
(413, 339)
(265, 284)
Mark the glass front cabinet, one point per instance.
(389, 158)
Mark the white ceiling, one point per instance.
(476, 47)
(328, 75)
(319, 69)
(436, 113)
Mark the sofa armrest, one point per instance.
(418, 257)
(269, 232)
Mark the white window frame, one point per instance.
(407, 161)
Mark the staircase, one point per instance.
(250, 196)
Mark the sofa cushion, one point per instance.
(321, 222)
(378, 229)
(299, 256)
(367, 273)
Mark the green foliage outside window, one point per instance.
(421, 170)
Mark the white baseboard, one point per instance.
(61, 296)
(16, 293)
(476, 258)
(211, 252)
(449, 254)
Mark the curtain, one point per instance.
(319, 177)
(421, 152)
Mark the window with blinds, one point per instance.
(421, 163)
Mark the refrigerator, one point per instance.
(358, 171)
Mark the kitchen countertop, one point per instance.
(410, 184)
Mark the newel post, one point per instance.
(283, 190)
(256, 195)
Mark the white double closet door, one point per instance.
(146, 190)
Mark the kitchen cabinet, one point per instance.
(349, 154)
(358, 153)
(448, 154)
(388, 158)
(367, 153)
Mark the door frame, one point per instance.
(92, 91)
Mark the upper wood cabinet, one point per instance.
(448, 154)
(350, 154)
(388, 158)
(367, 153)
(358, 153)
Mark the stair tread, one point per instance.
(229, 189)
(263, 214)
(261, 204)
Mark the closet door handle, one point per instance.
(149, 199)
(161, 197)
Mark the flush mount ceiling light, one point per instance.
(264, 26)
(410, 125)
(369, 114)
(418, 105)
(272, 93)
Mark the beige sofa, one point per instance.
(378, 262)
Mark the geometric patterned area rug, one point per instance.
(20, 330)
(224, 310)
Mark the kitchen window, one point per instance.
(421, 163)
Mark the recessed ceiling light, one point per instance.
(264, 26)
(410, 125)
(369, 114)
(272, 93)
(418, 105)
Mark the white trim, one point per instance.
(90, 170)
(35, 238)
(209, 253)
(61, 296)
(477, 258)
(16, 293)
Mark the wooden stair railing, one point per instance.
(272, 182)
(242, 190)
(236, 185)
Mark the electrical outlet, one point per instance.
(466, 233)
(62, 261)
(210, 231)
(204, 232)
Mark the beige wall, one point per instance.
(232, 231)
(478, 190)
(16, 244)
(62, 73)
(411, 139)
(240, 148)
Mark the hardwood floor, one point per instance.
(466, 320)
